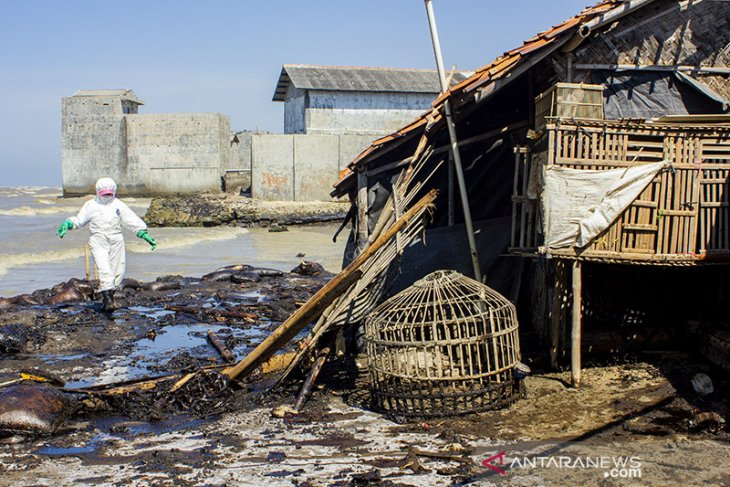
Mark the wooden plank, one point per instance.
(556, 313)
(644, 203)
(575, 335)
(679, 145)
(523, 209)
(664, 222)
(694, 219)
(639, 250)
(681, 213)
(652, 67)
(362, 210)
(513, 237)
(726, 214)
(628, 256)
(703, 212)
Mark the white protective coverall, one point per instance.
(106, 217)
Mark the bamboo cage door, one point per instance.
(523, 236)
(713, 165)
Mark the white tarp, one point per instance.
(581, 203)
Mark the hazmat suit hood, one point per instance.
(106, 190)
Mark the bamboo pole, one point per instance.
(362, 209)
(315, 305)
(86, 258)
(311, 378)
(575, 336)
(556, 314)
(454, 143)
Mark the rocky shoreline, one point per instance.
(234, 210)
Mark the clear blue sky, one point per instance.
(220, 55)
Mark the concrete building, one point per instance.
(354, 100)
(331, 115)
(103, 134)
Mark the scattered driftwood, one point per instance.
(311, 378)
(292, 326)
(250, 317)
(314, 307)
(221, 347)
(361, 298)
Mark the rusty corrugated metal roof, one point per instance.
(493, 71)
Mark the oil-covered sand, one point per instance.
(642, 411)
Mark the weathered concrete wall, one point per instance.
(272, 167)
(300, 167)
(351, 146)
(240, 152)
(161, 154)
(330, 112)
(237, 174)
(176, 153)
(93, 142)
(316, 163)
(294, 106)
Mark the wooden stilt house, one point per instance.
(604, 139)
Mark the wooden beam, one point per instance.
(653, 67)
(362, 210)
(575, 335)
(556, 315)
(315, 305)
(311, 378)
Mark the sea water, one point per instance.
(33, 257)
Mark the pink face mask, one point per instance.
(105, 196)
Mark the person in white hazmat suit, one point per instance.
(106, 215)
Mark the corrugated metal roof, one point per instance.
(497, 70)
(354, 78)
(121, 93)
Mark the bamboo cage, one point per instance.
(681, 218)
(443, 347)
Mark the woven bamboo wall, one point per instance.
(666, 33)
(682, 217)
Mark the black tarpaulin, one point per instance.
(644, 95)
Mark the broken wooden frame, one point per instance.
(316, 305)
(354, 304)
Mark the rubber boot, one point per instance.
(107, 300)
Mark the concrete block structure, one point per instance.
(300, 167)
(354, 100)
(176, 153)
(93, 137)
(331, 115)
(104, 135)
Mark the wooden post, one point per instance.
(362, 209)
(86, 258)
(575, 336)
(311, 378)
(451, 189)
(557, 312)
